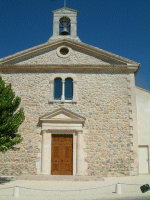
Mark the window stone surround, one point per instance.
(63, 77)
(66, 55)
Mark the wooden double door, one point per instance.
(62, 154)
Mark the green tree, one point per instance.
(10, 117)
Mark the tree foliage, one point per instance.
(10, 117)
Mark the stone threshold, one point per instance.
(54, 178)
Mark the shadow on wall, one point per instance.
(4, 180)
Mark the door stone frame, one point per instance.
(47, 146)
(62, 121)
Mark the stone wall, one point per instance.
(51, 57)
(102, 98)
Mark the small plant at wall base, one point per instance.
(10, 118)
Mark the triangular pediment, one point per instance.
(65, 10)
(46, 57)
(63, 115)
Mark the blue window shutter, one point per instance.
(57, 88)
(69, 89)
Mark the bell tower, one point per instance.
(65, 24)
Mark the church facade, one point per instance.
(80, 105)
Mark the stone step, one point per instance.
(56, 178)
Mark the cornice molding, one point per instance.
(71, 67)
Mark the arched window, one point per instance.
(68, 88)
(63, 88)
(57, 88)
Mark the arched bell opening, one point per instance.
(64, 26)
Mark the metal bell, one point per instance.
(65, 25)
(64, 31)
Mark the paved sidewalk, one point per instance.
(51, 190)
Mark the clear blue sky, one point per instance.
(118, 26)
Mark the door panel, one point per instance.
(55, 159)
(143, 160)
(62, 154)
